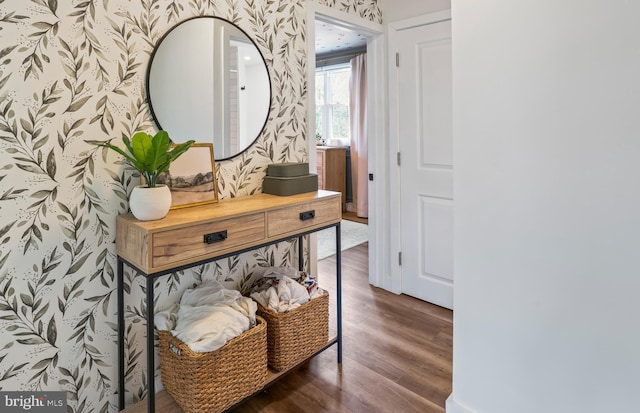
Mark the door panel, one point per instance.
(426, 170)
(437, 230)
(435, 101)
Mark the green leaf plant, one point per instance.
(151, 156)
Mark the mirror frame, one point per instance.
(148, 74)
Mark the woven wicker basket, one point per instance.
(297, 334)
(214, 381)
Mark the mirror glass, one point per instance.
(207, 81)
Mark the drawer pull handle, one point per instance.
(307, 215)
(215, 237)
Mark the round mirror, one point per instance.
(208, 81)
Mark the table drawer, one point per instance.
(302, 216)
(206, 239)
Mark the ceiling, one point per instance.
(332, 39)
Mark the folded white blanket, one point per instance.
(267, 272)
(285, 296)
(208, 316)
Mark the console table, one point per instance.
(194, 236)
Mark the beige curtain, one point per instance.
(359, 150)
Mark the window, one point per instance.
(332, 103)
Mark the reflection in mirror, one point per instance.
(207, 81)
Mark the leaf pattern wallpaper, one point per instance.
(72, 76)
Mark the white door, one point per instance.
(426, 163)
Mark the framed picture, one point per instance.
(192, 177)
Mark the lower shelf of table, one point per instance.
(166, 404)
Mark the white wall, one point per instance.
(547, 219)
(394, 10)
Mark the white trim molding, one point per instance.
(429, 18)
(343, 19)
(454, 407)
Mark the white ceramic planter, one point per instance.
(148, 204)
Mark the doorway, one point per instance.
(371, 34)
(339, 148)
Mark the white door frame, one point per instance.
(395, 279)
(376, 126)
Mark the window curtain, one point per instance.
(359, 149)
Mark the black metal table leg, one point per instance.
(339, 289)
(120, 292)
(151, 379)
(300, 254)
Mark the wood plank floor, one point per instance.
(396, 356)
(351, 216)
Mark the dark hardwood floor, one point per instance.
(396, 357)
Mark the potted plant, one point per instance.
(151, 156)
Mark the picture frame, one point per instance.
(192, 177)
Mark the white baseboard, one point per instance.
(454, 407)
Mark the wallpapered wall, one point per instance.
(71, 76)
